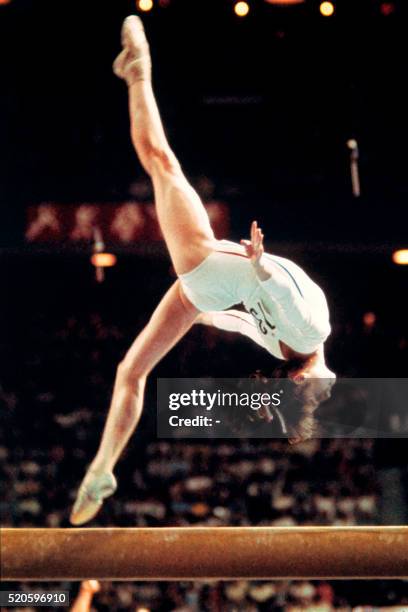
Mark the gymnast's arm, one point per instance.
(299, 324)
(83, 600)
(233, 321)
(297, 319)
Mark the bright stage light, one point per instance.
(369, 319)
(241, 9)
(103, 260)
(327, 9)
(4, 2)
(145, 5)
(400, 257)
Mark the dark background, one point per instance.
(263, 106)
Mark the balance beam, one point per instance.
(191, 553)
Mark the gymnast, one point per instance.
(286, 312)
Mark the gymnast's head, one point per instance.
(310, 384)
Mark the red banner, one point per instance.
(121, 223)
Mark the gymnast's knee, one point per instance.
(163, 163)
(131, 374)
(156, 160)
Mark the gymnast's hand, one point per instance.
(254, 249)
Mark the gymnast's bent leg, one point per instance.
(170, 321)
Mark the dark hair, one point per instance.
(298, 414)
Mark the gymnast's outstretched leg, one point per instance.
(189, 238)
(182, 216)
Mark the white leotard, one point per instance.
(288, 307)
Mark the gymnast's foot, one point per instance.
(133, 63)
(94, 489)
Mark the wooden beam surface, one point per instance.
(191, 553)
